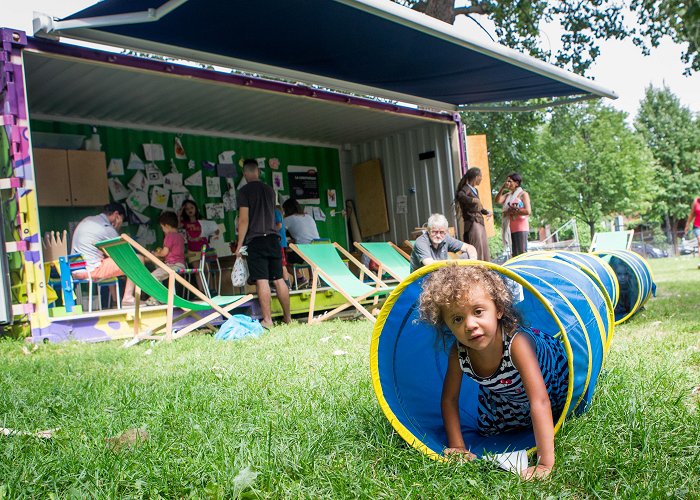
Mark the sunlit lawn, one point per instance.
(293, 414)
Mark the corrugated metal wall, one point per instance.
(428, 184)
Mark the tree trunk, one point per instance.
(591, 227)
(442, 10)
(674, 235)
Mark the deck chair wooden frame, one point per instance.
(141, 276)
(612, 240)
(394, 252)
(332, 273)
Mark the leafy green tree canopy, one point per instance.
(590, 166)
(673, 136)
(584, 23)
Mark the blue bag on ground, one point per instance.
(239, 326)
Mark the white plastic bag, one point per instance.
(239, 274)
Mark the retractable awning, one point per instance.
(371, 47)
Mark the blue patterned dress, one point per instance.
(503, 403)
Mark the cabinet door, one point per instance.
(88, 178)
(51, 176)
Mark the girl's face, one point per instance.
(474, 322)
(190, 210)
(510, 184)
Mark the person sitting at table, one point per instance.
(434, 244)
(96, 228)
(300, 226)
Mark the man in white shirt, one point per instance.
(96, 228)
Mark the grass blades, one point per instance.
(286, 415)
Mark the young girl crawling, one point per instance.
(522, 373)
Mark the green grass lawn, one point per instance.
(288, 408)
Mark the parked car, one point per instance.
(648, 251)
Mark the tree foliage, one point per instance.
(673, 136)
(584, 22)
(590, 166)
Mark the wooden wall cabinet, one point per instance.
(66, 178)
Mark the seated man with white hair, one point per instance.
(434, 244)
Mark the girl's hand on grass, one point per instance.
(536, 472)
(461, 454)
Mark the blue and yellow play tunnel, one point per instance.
(566, 296)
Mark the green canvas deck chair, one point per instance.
(390, 258)
(327, 263)
(612, 240)
(122, 251)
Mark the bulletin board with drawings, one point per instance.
(151, 171)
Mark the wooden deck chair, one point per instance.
(612, 240)
(326, 263)
(122, 251)
(409, 243)
(390, 258)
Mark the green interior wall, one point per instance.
(121, 142)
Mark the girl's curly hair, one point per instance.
(453, 283)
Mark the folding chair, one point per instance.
(122, 251)
(391, 259)
(612, 240)
(326, 263)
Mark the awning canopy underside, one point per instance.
(366, 44)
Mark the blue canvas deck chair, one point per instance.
(612, 240)
(390, 258)
(122, 251)
(326, 263)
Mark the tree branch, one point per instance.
(473, 9)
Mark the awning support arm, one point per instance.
(46, 24)
(529, 107)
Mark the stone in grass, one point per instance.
(130, 438)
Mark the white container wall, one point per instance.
(429, 184)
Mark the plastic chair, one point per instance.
(68, 264)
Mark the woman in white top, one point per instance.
(300, 226)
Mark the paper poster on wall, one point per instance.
(219, 244)
(194, 179)
(117, 189)
(139, 218)
(402, 204)
(332, 198)
(153, 152)
(179, 199)
(173, 182)
(207, 165)
(154, 176)
(209, 227)
(145, 235)
(303, 184)
(214, 211)
(159, 197)
(137, 200)
(278, 181)
(135, 163)
(138, 182)
(116, 167)
(309, 211)
(274, 163)
(318, 214)
(179, 150)
(226, 156)
(213, 187)
(229, 200)
(261, 162)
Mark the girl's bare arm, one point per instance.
(450, 402)
(525, 361)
